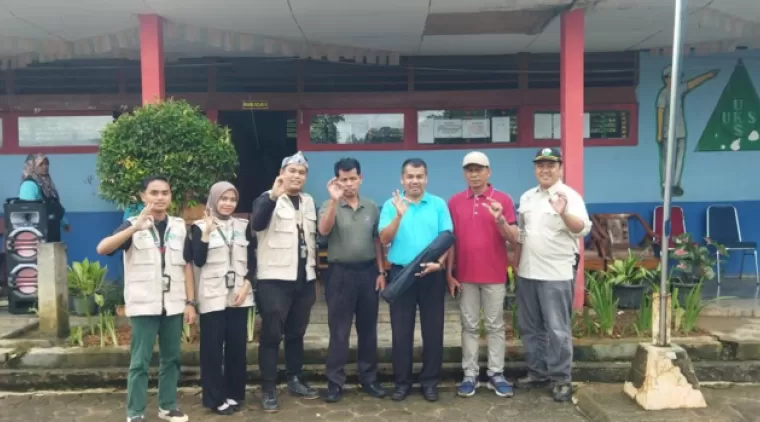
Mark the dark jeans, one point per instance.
(351, 290)
(429, 293)
(285, 308)
(223, 356)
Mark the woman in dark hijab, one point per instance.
(37, 185)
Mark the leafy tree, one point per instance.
(173, 139)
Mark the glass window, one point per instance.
(56, 131)
(357, 129)
(601, 124)
(461, 127)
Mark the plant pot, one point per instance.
(83, 305)
(684, 290)
(510, 301)
(121, 310)
(629, 295)
(193, 214)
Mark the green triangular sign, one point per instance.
(735, 122)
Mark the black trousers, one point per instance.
(429, 293)
(223, 356)
(285, 309)
(351, 291)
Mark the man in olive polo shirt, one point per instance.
(356, 276)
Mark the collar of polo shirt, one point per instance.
(487, 192)
(359, 204)
(423, 199)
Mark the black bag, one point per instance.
(404, 278)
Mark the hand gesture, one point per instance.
(400, 203)
(380, 283)
(209, 222)
(559, 203)
(494, 207)
(190, 314)
(453, 285)
(242, 294)
(278, 188)
(428, 267)
(144, 220)
(335, 189)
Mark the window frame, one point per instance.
(11, 133)
(528, 139)
(303, 131)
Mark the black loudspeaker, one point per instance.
(27, 225)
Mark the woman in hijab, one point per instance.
(37, 185)
(222, 251)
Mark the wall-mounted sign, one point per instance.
(256, 105)
(735, 122)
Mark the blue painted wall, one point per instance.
(618, 179)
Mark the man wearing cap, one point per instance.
(484, 220)
(285, 221)
(552, 219)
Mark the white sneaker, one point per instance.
(172, 415)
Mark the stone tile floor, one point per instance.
(532, 405)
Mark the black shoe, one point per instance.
(334, 393)
(374, 390)
(235, 407)
(430, 393)
(531, 382)
(562, 392)
(400, 393)
(299, 388)
(224, 410)
(269, 401)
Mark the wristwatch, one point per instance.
(193, 303)
(382, 273)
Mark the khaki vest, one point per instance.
(277, 249)
(210, 282)
(143, 281)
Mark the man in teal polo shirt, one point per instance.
(409, 222)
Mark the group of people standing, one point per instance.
(173, 273)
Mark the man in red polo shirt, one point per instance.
(484, 220)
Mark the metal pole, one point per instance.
(675, 77)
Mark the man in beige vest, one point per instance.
(285, 221)
(158, 291)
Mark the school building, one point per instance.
(385, 81)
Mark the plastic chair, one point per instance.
(677, 224)
(723, 227)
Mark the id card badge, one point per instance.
(229, 279)
(303, 251)
(166, 282)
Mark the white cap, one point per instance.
(477, 158)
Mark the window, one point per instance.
(597, 124)
(356, 129)
(56, 131)
(463, 127)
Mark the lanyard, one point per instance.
(230, 244)
(161, 249)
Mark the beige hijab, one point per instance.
(215, 194)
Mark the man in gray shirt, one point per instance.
(357, 274)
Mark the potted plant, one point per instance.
(693, 263)
(173, 139)
(627, 279)
(85, 282)
(113, 298)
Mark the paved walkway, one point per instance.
(535, 406)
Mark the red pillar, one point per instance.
(152, 59)
(571, 100)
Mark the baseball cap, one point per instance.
(477, 158)
(548, 154)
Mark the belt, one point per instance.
(355, 266)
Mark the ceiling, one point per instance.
(54, 29)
